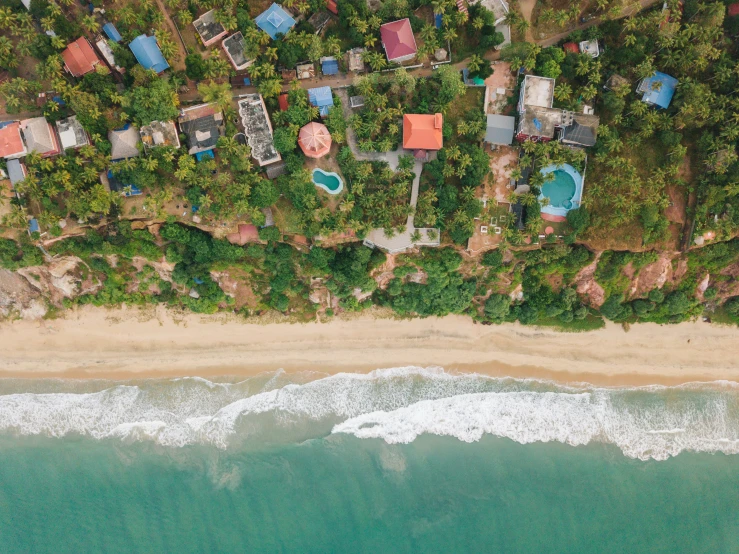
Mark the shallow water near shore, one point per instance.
(399, 460)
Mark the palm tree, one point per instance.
(474, 63)
(218, 93)
(90, 24)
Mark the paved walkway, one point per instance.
(377, 237)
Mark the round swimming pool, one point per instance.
(330, 182)
(560, 189)
(563, 189)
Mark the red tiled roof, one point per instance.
(282, 101)
(79, 57)
(11, 142)
(733, 9)
(331, 5)
(422, 131)
(398, 40)
(571, 47)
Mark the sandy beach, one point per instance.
(133, 343)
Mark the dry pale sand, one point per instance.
(130, 343)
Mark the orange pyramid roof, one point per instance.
(423, 131)
(314, 140)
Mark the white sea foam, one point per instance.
(396, 405)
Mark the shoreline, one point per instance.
(129, 343)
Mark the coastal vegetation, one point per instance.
(654, 240)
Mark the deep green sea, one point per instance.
(401, 460)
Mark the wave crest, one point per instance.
(396, 405)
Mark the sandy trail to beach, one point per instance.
(129, 343)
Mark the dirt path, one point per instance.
(643, 4)
(527, 10)
(179, 62)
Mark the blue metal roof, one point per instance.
(322, 98)
(274, 21)
(658, 89)
(148, 54)
(330, 67)
(437, 20)
(200, 156)
(33, 226)
(113, 34)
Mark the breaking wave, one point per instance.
(396, 405)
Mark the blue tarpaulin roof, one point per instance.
(437, 20)
(118, 186)
(110, 30)
(148, 54)
(33, 226)
(274, 21)
(200, 156)
(658, 89)
(330, 67)
(322, 98)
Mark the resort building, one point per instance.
(329, 65)
(355, 59)
(321, 98)
(39, 136)
(160, 133)
(71, 133)
(538, 124)
(305, 71)
(16, 172)
(124, 143)
(579, 129)
(235, 46)
(209, 29)
(500, 129)
(658, 89)
(398, 41)
(275, 21)
(203, 124)
(536, 92)
(314, 140)
(539, 121)
(79, 58)
(423, 132)
(107, 52)
(147, 53)
(11, 142)
(590, 47)
(111, 32)
(258, 129)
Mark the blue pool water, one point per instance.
(564, 190)
(330, 182)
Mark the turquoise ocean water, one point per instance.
(401, 460)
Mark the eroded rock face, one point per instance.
(18, 298)
(586, 284)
